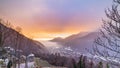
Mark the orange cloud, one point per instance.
(40, 20)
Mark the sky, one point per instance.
(47, 19)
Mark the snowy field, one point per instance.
(30, 65)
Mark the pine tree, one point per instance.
(107, 65)
(91, 64)
(84, 61)
(80, 63)
(100, 65)
(74, 63)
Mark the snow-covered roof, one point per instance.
(31, 55)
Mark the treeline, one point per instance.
(87, 63)
(58, 60)
(62, 61)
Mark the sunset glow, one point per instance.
(47, 19)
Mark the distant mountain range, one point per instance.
(79, 41)
(18, 41)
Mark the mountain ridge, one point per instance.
(79, 41)
(18, 41)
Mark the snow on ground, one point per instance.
(30, 65)
(54, 47)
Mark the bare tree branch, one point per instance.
(107, 44)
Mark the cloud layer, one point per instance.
(54, 16)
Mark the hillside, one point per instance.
(12, 38)
(78, 41)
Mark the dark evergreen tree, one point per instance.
(84, 61)
(9, 65)
(80, 63)
(91, 64)
(74, 63)
(100, 65)
(107, 65)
